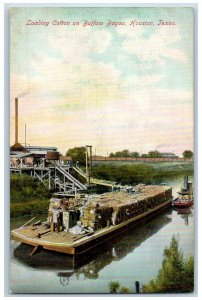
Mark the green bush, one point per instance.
(115, 288)
(25, 188)
(176, 274)
(136, 173)
(27, 196)
(29, 208)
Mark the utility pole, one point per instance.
(88, 163)
(90, 173)
(25, 136)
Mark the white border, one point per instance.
(4, 123)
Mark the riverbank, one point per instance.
(21, 220)
(30, 197)
(139, 172)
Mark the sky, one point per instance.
(127, 86)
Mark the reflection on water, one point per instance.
(135, 255)
(92, 263)
(117, 250)
(185, 213)
(64, 277)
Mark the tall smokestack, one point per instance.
(16, 120)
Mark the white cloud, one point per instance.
(65, 66)
(160, 45)
(80, 43)
(73, 72)
(132, 82)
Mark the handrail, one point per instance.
(70, 177)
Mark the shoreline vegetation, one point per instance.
(28, 196)
(176, 274)
(147, 173)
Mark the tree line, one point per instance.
(152, 154)
(78, 154)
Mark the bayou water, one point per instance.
(135, 255)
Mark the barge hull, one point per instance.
(87, 243)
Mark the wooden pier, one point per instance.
(55, 175)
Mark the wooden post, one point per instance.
(27, 222)
(137, 287)
(90, 173)
(55, 178)
(34, 250)
(87, 175)
(49, 179)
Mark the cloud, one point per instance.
(71, 73)
(143, 81)
(80, 43)
(161, 45)
(71, 99)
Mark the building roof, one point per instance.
(168, 154)
(18, 154)
(41, 148)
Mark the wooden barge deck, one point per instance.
(66, 242)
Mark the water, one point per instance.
(133, 256)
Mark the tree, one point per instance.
(189, 270)
(115, 287)
(176, 274)
(154, 154)
(134, 154)
(77, 154)
(187, 154)
(145, 155)
(123, 153)
(124, 290)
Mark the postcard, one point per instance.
(102, 150)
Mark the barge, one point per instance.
(77, 225)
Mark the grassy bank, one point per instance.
(142, 172)
(28, 196)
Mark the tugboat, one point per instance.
(185, 198)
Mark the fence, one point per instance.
(158, 159)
